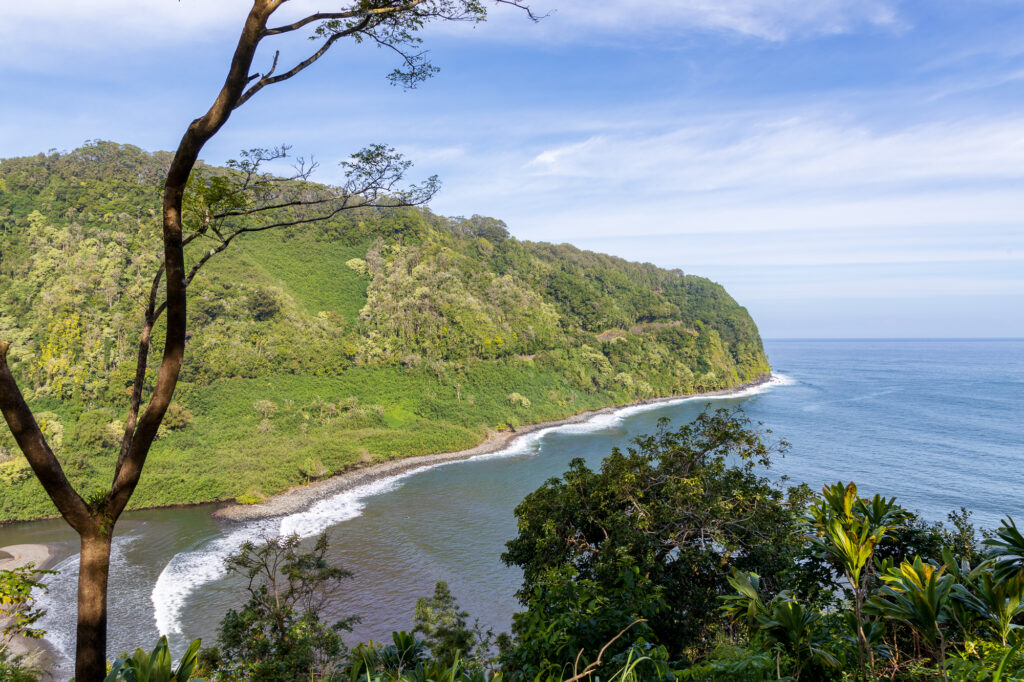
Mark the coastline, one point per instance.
(38, 652)
(301, 498)
(17, 556)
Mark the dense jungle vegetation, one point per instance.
(380, 333)
(677, 559)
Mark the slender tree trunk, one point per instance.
(95, 521)
(94, 569)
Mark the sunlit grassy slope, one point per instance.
(376, 335)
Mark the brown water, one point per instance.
(398, 537)
(938, 408)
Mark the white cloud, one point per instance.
(750, 172)
(43, 32)
(89, 26)
(768, 19)
(772, 20)
(797, 153)
(825, 248)
(134, 21)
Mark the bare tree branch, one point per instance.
(519, 4)
(312, 18)
(337, 16)
(265, 81)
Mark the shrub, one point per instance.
(313, 468)
(49, 424)
(14, 471)
(90, 433)
(359, 266)
(178, 417)
(518, 400)
(263, 305)
(265, 408)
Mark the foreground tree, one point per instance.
(651, 535)
(279, 633)
(387, 23)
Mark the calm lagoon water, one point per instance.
(938, 424)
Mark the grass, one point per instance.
(320, 283)
(359, 416)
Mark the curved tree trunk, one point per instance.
(94, 521)
(91, 649)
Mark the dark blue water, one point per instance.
(937, 424)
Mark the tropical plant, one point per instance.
(746, 603)
(794, 627)
(917, 594)
(848, 529)
(371, 660)
(783, 620)
(155, 666)
(728, 662)
(1006, 549)
(997, 602)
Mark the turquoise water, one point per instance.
(936, 423)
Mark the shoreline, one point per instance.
(302, 497)
(44, 556)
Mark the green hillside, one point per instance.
(378, 334)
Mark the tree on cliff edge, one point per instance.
(372, 177)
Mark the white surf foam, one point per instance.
(60, 598)
(530, 442)
(341, 507)
(189, 571)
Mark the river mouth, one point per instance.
(850, 410)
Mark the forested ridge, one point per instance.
(373, 335)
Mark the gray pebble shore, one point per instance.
(301, 498)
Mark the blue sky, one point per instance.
(845, 168)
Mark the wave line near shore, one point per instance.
(313, 508)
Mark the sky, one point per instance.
(845, 168)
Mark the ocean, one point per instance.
(936, 423)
